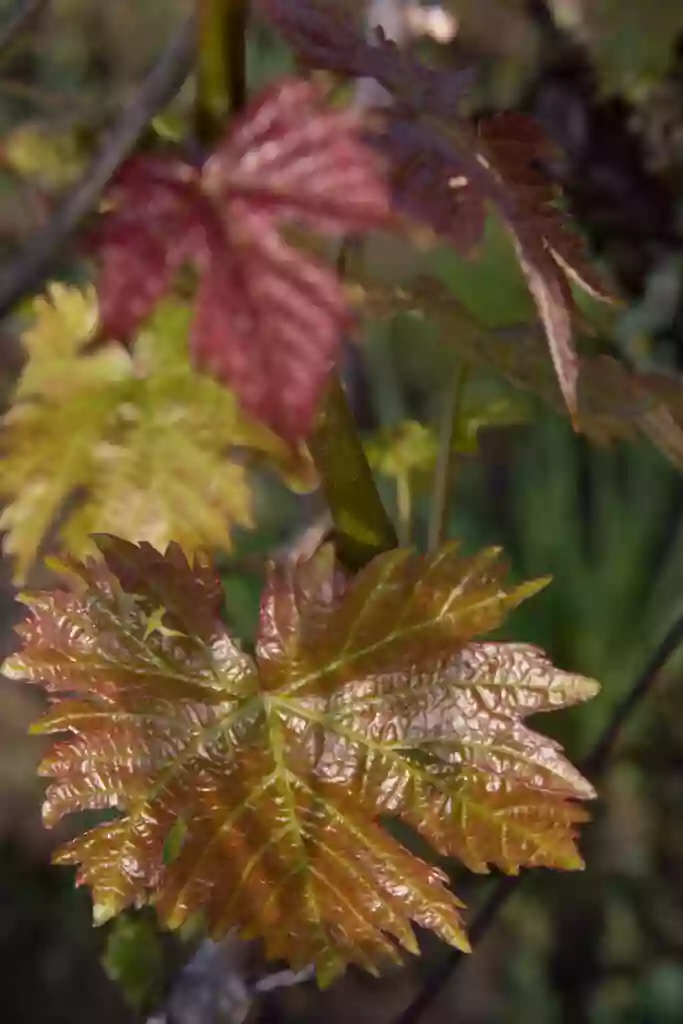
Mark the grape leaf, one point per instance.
(446, 172)
(133, 442)
(365, 697)
(519, 150)
(134, 959)
(403, 449)
(448, 180)
(328, 34)
(268, 319)
(408, 450)
(613, 402)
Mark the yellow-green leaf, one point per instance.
(403, 449)
(137, 443)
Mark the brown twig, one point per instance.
(19, 22)
(27, 271)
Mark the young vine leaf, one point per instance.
(365, 697)
(446, 171)
(409, 450)
(268, 318)
(137, 442)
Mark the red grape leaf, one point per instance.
(519, 150)
(448, 180)
(364, 697)
(268, 318)
(446, 173)
(328, 34)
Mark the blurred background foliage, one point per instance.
(606, 80)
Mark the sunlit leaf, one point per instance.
(365, 697)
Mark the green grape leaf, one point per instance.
(404, 449)
(409, 450)
(134, 959)
(613, 402)
(138, 443)
(365, 698)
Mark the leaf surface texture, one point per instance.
(102, 439)
(268, 319)
(366, 698)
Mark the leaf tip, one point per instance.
(13, 667)
(102, 912)
(327, 970)
(572, 862)
(458, 938)
(533, 587)
(587, 688)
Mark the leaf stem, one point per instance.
(444, 474)
(593, 766)
(363, 528)
(362, 525)
(222, 65)
(404, 509)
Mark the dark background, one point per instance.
(606, 946)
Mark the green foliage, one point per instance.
(613, 403)
(403, 451)
(631, 43)
(134, 959)
(48, 159)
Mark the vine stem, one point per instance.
(362, 525)
(593, 766)
(221, 65)
(444, 474)
(404, 509)
(28, 269)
